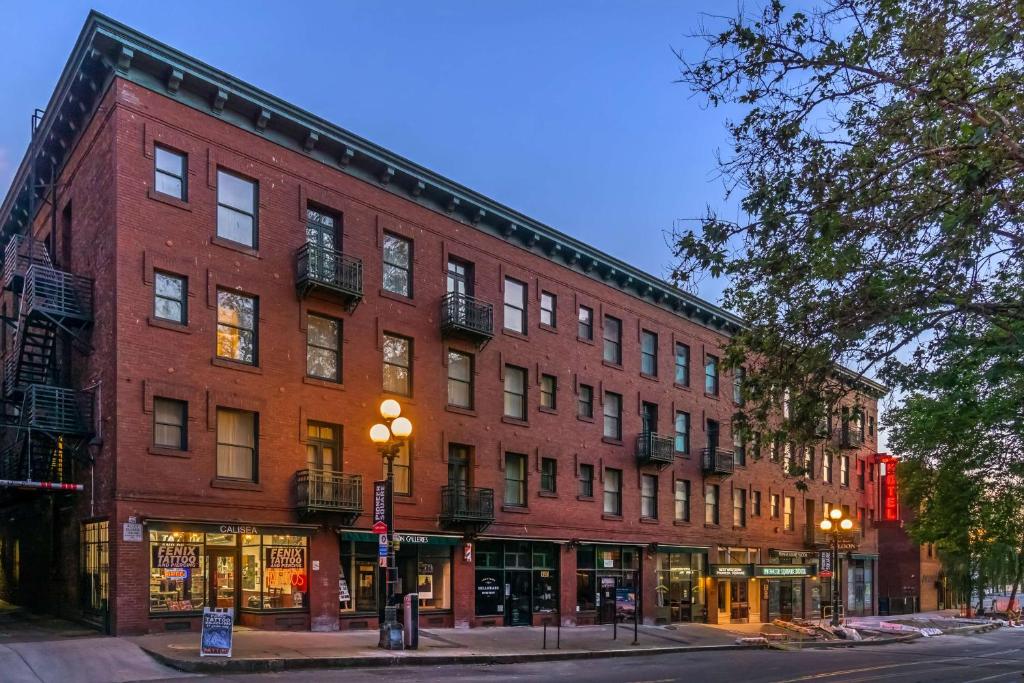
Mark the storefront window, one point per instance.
(433, 580)
(516, 579)
(177, 572)
(357, 586)
(95, 552)
(678, 592)
(425, 569)
(616, 565)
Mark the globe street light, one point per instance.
(835, 524)
(389, 436)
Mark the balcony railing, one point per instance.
(466, 505)
(329, 271)
(716, 461)
(57, 294)
(851, 438)
(464, 315)
(57, 410)
(327, 491)
(655, 448)
(21, 252)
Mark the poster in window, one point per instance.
(425, 586)
(285, 557)
(343, 594)
(176, 555)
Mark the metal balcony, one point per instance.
(328, 493)
(57, 410)
(463, 506)
(717, 462)
(21, 253)
(655, 449)
(466, 316)
(851, 438)
(330, 273)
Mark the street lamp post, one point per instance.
(389, 436)
(835, 524)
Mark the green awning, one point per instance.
(401, 537)
(681, 549)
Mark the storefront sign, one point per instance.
(285, 558)
(409, 538)
(889, 489)
(239, 529)
(731, 571)
(791, 554)
(489, 598)
(176, 555)
(217, 632)
(825, 564)
(180, 574)
(784, 571)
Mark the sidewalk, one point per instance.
(277, 651)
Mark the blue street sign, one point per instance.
(382, 550)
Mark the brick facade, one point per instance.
(122, 231)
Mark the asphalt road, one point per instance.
(989, 658)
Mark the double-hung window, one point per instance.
(739, 507)
(515, 479)
(323, 347)
(844, 470)
(548, 475)
(682, 500)
(585, 329)
(397, 365)
(612, 332)
(585, 401)
(548, 392)
(236, 327)
(737, 385)
(682, 364)
(787, 514)
(649, 496)
(548, 309)
(612, 491)
(170, 298)
(515, 306)
(236, 208)
(612, 415)
(711, 375)
(711, 504)
(773, 502)
(171, 169)
(649, 353)
(460, 379)
(236, 444)
(397, 265)
(170, 418)
(586, 480)
(682, 428)
(515, 392)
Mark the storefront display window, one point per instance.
(679, 594)
(516, 579)
(433, 577)
(274, 572)
(358, 582)
(604, 568)
(177, 572)
(423, 568)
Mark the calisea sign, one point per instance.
(277, 557)
(177, 555)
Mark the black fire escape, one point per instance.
(46, 425)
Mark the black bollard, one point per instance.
(558, 643)
(615, 627)
(636, 622)
(545, 634)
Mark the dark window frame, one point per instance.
(469, 383)
(548, 475)
(182, 444)
(255, 331)
(339, 335)
(408, 367)
(255, 448)
(519, 306)
(255, 209)
(407, 268)
(585, 329)
(612, 346)
(157, 296)
(585, 408)
(682, 367)
(711, 374)
(550, 311)
(648, 357)
(157, 171)
(549, 395)
(522, 483)
(522, 372)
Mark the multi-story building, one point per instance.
(209, 291)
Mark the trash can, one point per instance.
(411, 623)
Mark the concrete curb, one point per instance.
(277, 664)
(969, 630)
(827, 644)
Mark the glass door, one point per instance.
(740, 600)
(518, 611)
(606, 591)
(459, 279)
(322, 238)
(223, 584)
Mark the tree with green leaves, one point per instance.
(880, 171)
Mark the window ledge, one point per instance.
(582, 418)
(518, 509)
(234, 484)
(711, 526)
(549, 411)
(460, 411)
(609, 364)
(515, 421)
(516, 335)
(547, 494)
(234, 246)
(324, 383)
(169, 452)
(548, 328)
(168, 325)
(684, 387)
(609, 440)
(584, 340)
(649, 378)
(649, 520)
(611, 518)
(235, 365)
(170, 200)
(681, 522)
(713, 397)
(392, 296)
(590, 498)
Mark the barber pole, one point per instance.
(43, 485)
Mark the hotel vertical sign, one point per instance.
(888, 490)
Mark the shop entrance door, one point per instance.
(518, 607)
(739, 607)
(224, 578)
(606, 590)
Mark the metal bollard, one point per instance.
(558, 643)
(545, 634)
(636, 621)
(615, 628)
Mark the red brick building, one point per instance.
(202, 330)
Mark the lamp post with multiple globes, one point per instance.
(835, 524)
(389, 437)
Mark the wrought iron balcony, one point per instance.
(466, 316)
(60, 296)
(57, 410)
(21, 253)
(851, 438)
(466, 506)
(716, 461)
(655, 449)
(326, 492)
(330, 273)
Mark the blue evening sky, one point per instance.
(566, 111)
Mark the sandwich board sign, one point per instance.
(217, 631)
